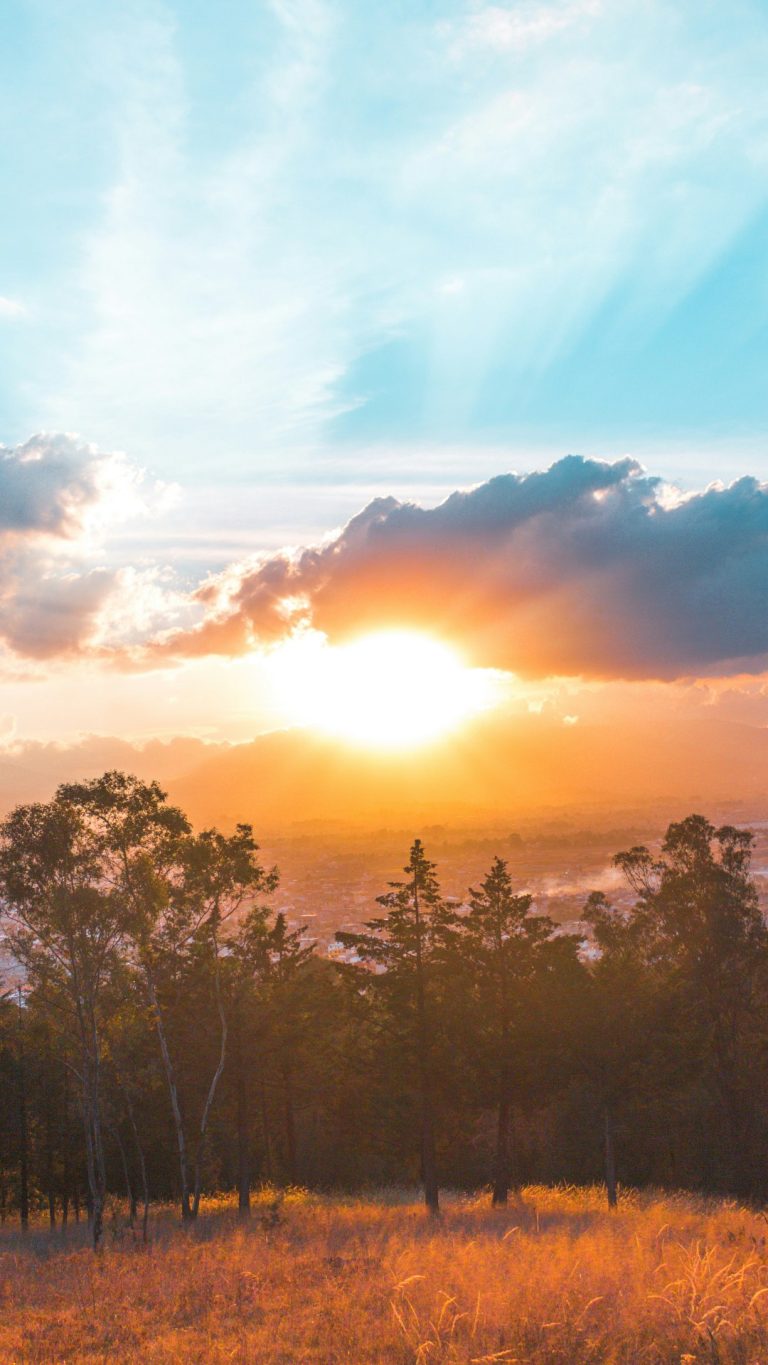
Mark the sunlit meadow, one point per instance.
(554, 1278)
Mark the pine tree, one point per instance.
(407, 944)
(501, 945)
(266, 981)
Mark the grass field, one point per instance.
(553, 1278)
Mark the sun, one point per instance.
(391, 690)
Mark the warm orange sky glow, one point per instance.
(392, 689)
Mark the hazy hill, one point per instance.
(293, 776)
(514, 765)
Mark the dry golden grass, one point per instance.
(555, 1278)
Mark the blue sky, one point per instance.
(289, 254)
(326, 241)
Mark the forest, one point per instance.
(164, 1034)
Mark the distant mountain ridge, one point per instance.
(511, 764)
(291, 776)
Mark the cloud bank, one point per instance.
(57, 498)
(586, 569)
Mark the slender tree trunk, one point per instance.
(66, 1164)
(266, 1131)
(428, 1156)
(501, 1165)
(97, 1224)
(211, 1092)
(243, 1154)
(94, 1147)
(243, 1127)
(96, 1184)
(129, 1190)
(173, 1091)
(23, 1125)
(428, 1160)
(290, 1125)
(49, 1175)
(90, 1170)
(98, 1137)
(142, 1168)
(610, 1158)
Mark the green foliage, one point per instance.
(161, 995)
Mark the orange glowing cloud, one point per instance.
(588, 568)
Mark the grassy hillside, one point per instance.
(555, 1279)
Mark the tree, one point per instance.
(502, 945)
(267, 986)
(135, 1086)
(408, 943)
(65, 929)
(219, 872)
(176, 890)
(691, 954)
(627, 1018)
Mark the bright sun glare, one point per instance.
(391, 690)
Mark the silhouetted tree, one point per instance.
(502, 945)
(642, 1050)
(406, 944)
(176, 890)
(692, 955)
(263, 982)
(65, 928)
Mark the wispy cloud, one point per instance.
(213, 317)
(517, 25)
(469, 193)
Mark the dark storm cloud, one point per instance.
(586, 568)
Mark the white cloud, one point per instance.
(11, 308)
(214, 312)
(454, 284)
(520, 25)
(60, 499)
